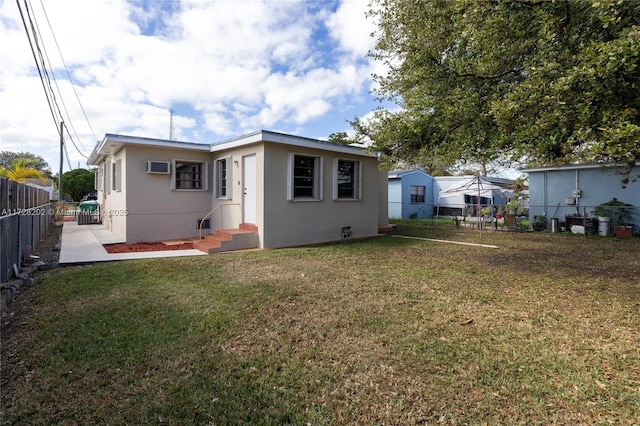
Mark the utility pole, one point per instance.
(61, 159)
(171, 111)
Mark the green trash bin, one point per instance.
(89, 212)
(89, 205)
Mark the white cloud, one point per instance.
(351, 28)
(227, 67)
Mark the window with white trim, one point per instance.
(417, 194)
(305, 177)
(99, 183)
(224, 179)
(189, 175)
(107, 178)
(347, 180)
(116, 179)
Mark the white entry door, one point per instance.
(249, 181)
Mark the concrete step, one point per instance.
(242, 238)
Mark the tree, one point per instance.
(77, 183)
(8, 160)
(340, 137)
(21, 169)
(524, 81)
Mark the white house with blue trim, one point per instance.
(455, 204)
(415, 194)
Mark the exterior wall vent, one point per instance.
(346, 233)
(158, 167)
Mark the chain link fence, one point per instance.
(26, 215)
(603, 219)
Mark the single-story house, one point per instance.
(455, 203)
(410, 194)
(290, 190)
(573, 190)
(416, 194)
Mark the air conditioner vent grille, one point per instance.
(158, 167)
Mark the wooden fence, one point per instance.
(26, 214)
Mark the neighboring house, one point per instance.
(46, 185)
(292, 190)
(557, 192)
(410, 194)
(454, 205)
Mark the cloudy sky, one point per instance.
(225, 67)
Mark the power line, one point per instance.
(33, 52)
(68, 75)
(35, 28)
(39, 55)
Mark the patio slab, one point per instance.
(84, 244)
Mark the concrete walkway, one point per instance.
(83, 244)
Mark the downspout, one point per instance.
(577, 188)
(544, 196)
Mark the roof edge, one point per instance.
(572, 167)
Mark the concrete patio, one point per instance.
(84, 244)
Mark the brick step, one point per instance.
(242, 238)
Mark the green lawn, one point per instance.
(542, 330)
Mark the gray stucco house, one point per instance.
(288, 190)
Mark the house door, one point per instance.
(249, 180)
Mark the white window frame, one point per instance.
(317, 178)
(228, 178)
(357, 185)
(99, 183)
(107, 177)
(417, 194)
(116, 179)
(203, 173)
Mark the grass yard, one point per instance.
(544, 329)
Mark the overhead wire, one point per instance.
(43, 65)
(39, 54)
(43, 55)
(66, 153)
(70, 80)
(64, 105)
(35, 58)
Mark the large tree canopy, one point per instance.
(531, 81)
(21, 168)
(78, 183)
(11, 160)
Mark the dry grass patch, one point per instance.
(386, 331)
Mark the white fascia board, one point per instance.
(566, 167)
(398, 174)
(297, 141)
(112, 143)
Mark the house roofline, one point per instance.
(572, 167)
(285, 139)
(112, 143)
(397, 174)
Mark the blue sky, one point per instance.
(225, 67)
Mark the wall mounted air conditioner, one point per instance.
(158, 167)
(577, 193)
